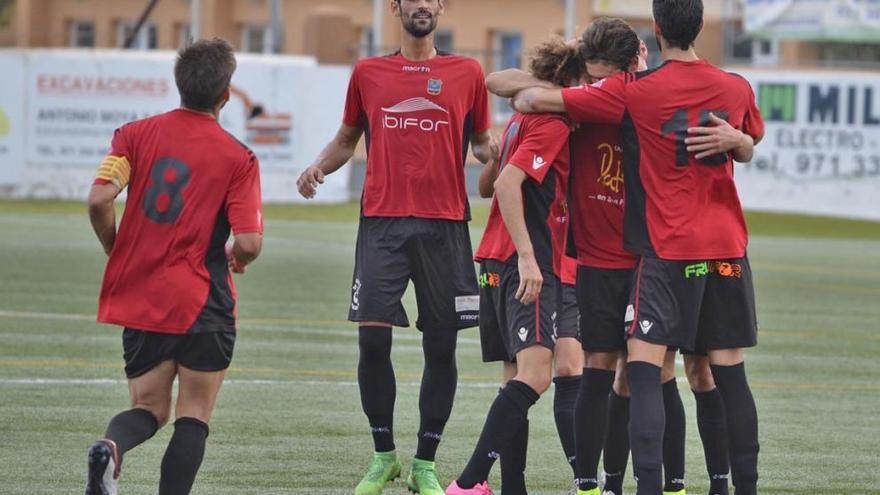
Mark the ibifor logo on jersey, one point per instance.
(394, 116)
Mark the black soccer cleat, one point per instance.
(103, 468)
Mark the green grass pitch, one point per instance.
(289, 421)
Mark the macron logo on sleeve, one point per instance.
(538, 162)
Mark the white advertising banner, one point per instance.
(821, 151)
(75, 100)
(832, 20)
(12, 127)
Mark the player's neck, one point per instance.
(417, 49)
(214, 115)
(689, 55)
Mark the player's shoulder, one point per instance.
(237, 148)
(739, 80)
(464, 62)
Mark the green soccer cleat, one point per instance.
(384, 468)
(680, 492)
(591, 491)
(423, 478)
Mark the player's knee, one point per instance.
(568, 368)
(438, 348)
(699, 374)
(160, 411)
(539, 381)
(602, 360)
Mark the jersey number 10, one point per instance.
(678, 126)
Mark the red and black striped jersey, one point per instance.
(190, 183)
(677, 207)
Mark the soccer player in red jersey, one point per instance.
(520, 259)
(693, 284)
(608, 46)
(420, 109)
(168, 278)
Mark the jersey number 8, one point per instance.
(164, 200)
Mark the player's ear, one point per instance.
(395, 8)
(227, 93)
(442, 6)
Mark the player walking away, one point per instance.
(168, 277)
(420, 109)
(693, 284)
(520, 261)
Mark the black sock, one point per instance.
(377, 384)
(673, 438)
(647, 422)
(616, 452)
(507, 416)
(183, 457)
(439, 380)
(513, 463)
(742, 426)
(564, 400)
(589, 425)
(131, 428)
(712, 424)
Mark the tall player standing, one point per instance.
(167, 280)
(693, 284)
(420, 109)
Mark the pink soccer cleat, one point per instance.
(478, 489)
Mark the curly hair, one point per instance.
(557, 62)
(610, 40)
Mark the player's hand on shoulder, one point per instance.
(718, 137)
(530, 280)
(308, 181)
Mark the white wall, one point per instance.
(73, 100)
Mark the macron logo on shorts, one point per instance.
(538, 162)
(646, 326)
(523, 334)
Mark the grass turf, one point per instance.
(288, 421)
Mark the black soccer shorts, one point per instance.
(435, 254)
(568, 320)
(603, 295)
(506, 325)
(697, 306)
(144, 350)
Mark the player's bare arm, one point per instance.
(720, 137)
(507, 83)
(102, 213)
(539, 100)
(485, 147)
(243, 251)
(336, 154)
(488, 175)
(508, 192)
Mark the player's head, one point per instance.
(677, 23)
(557, 62)
(203, 73)
(418, 17)
(609, 46)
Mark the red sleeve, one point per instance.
(482, 120)
(753, 122)
(543, 141)
(598, 103)
(354, 115)
(243, 199)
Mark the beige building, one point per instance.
(497, 32)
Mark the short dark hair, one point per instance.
(612, 41)
(557, 62)
(203, 72)
(679, 21)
